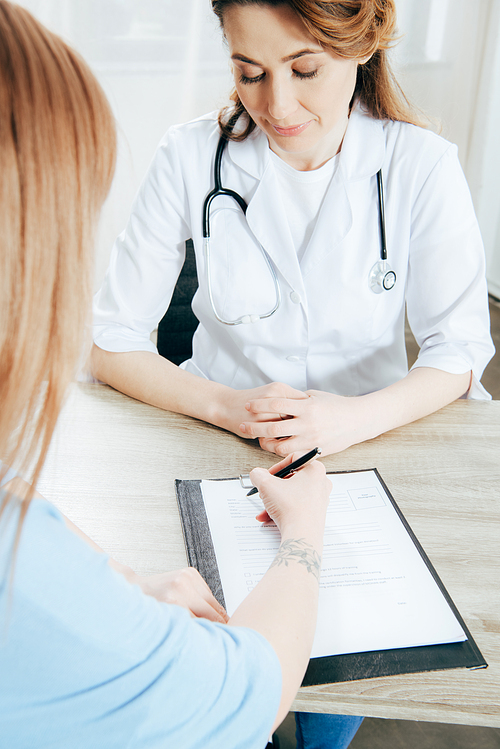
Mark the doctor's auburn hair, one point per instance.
(351, 28)
(57, 156)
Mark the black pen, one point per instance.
(296, 465)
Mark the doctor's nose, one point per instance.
(281, 101)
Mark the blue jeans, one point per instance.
(325, 731)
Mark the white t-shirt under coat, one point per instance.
(302, 194)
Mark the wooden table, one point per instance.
(112, 467)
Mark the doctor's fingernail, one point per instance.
(243, 428)
(248, 406)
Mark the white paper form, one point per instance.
(376, 592)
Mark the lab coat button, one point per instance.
(293, 358)
(295, 297)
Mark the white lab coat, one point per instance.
(331, 331)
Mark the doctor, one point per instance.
(298, 345)
(318, 120)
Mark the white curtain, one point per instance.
(449, 64)
(483, 161)
(162, 62)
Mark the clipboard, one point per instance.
(337, 668)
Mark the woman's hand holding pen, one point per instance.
(301, 498)
(333, 421)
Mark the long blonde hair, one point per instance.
(57, 156)
(354, 29)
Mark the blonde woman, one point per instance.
(91, 655)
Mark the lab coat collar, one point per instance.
(252, 155)
(361, 156)
(363, 148)
(273, 231)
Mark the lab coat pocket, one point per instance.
(240, 276)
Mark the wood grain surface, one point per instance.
(111, 470)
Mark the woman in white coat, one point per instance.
(317, 115)
(324, 118)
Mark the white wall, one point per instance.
(449, 64)
(160, 62)
(483, 164)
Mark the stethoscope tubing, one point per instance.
(218, 191)
(381, 215)
(380, 271)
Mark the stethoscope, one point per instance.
(381, 277)
(215, 193)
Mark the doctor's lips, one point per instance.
(294, 130)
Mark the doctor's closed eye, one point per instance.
(297, 73)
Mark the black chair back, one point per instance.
(177, 327)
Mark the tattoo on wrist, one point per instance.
(297, 550)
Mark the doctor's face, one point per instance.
(295, 90)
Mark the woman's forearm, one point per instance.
(153, 379)
(283, 607)
(423, 391)
(335, 422)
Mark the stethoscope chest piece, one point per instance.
(382, 277)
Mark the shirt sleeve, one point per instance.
(146, 258)
(89, 660)
(447, 296)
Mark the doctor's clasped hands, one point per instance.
(285, 422)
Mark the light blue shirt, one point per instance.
(88, 660)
